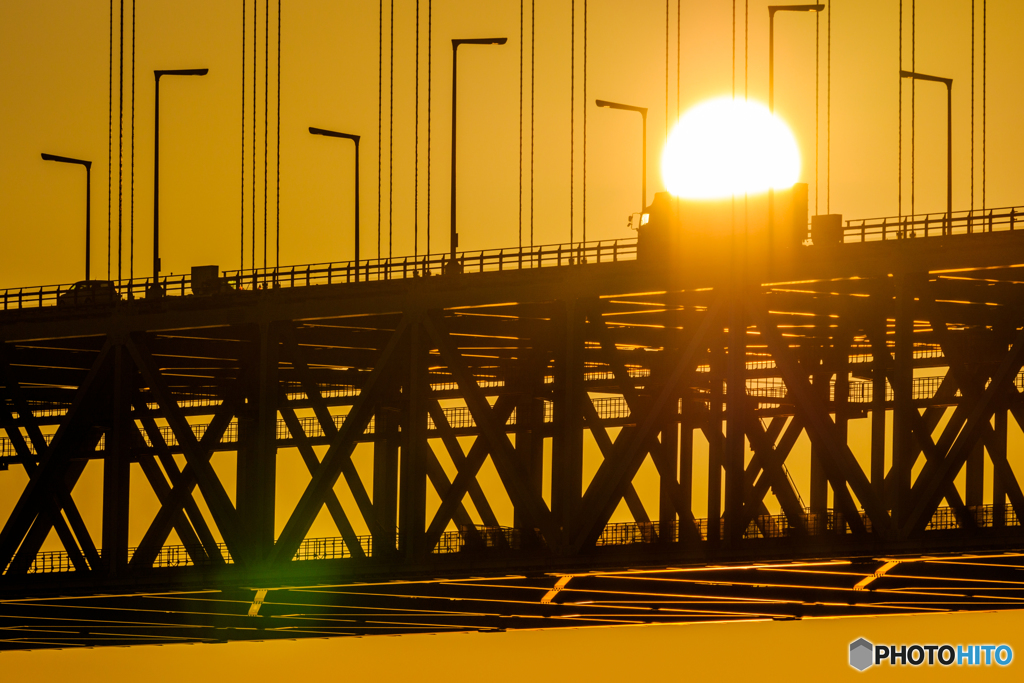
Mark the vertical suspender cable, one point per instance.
(973, 41)
(266, 119)
(817, 81)
(913, 101)
(120, 147)
(678, 52)
(667, 12)
(533, 91)
(899, 155)
(984, 101)
(277, 146)
(734, 49)
(255, 19)
(521, 2)
(416, 152)
(584, 121)
(380, 114)
(572, 116)
(131, 195)
(241, 233)
(828, 124)
(746, 49)
(110, 138)
(391, 130)
(430, 34)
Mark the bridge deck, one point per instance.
(523, 425)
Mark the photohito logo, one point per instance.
(863, 655)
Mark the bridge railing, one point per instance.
(934, 224)
(368, 270)
(481, 538)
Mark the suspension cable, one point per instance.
(110, 138)
(913, 102)
(585, 121)
(241, 240)
(430, 56)
(899, 155)
(131, 196)
(277, 146)
(533, 92)
(391, 131)
(572, 117)
(255, 28)
(120, 149)
(266, 120)
(817, 81)
(521, 2)
(984, 101)
(380, 116)
(973, 41)
(416, 146)
(828, 111)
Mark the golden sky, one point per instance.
(54, 78)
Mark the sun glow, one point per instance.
(725, 147)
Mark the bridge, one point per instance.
(544, 437)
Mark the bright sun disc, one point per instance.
(727, 147)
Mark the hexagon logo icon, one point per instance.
(861, 654)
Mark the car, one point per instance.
(87, 292)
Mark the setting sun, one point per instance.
(725, 147)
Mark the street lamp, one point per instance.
(355, 139)
(949, 131)
(88, 196)
(155, 289)
(772, 9)
(455, 63)
(643, 115)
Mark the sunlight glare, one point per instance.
(725, 147)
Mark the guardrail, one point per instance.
(482, 538)
(1007, 218)
(369, 270)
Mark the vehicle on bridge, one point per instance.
(88, 292)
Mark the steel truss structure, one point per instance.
(585, 444)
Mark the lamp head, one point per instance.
(477, 41)
(180, 72)
(772, 9)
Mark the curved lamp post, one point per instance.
(456, 42)
(643, 152)
(355, 139)
(949, 131)
(155, 289)
(88, 196)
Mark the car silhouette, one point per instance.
(87, 292)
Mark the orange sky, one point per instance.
(54, 58)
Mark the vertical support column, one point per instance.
(567, 452)
(413, 502)
(117, 466)
(716, 456)
(529, 432)
(257, 447)
(902, 436)
(669, 454)
(735, 435)
(385, 474)
(880, 361)
(820, 376)
(841, 356)
(686, 425)
(998, 486)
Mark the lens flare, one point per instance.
(725, 147)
